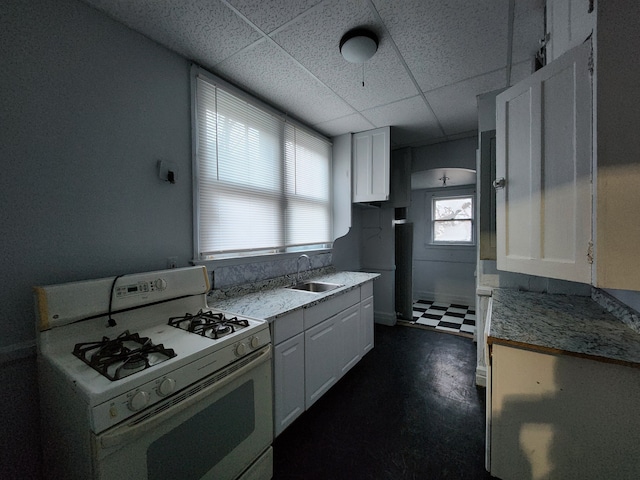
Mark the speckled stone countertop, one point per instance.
(271, 299)
(565, 324)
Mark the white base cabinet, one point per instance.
(366, 317)
(288, 381)
(562, 417)
(288, 369)
(314, 347)
(320, 359)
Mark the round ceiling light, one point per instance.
(358, 45)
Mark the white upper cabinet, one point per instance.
(617, 145)
(569, 23)
(543, 170)
(371, 160)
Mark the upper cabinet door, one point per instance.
(543, 170)
(569, 23)
(371, 155)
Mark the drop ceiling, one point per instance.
(433, 59)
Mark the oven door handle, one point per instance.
(133, 429)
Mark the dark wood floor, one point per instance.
(409, 410)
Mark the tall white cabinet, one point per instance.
(543, 170)
(569, 23)
(580, 113)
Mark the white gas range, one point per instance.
(140, 379)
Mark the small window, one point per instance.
(452, 220)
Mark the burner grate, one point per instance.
(122, 356)
(209, 324)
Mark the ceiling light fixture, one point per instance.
(358, 45)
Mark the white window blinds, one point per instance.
(263, 185)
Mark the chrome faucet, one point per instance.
(298, 266)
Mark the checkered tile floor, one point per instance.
(451, 318)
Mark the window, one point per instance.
(262, 185)
(452, 220)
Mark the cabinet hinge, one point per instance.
(590, 253)
(590, 61)
(590, 6)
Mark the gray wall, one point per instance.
(444, 273)
(455, 154)
(87, 108)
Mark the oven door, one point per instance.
(216, 429)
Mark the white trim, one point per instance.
(446, 298)
(481, 376)
(17, 351)
(384, 318)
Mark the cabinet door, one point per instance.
(288, 382)
(349, 337)
(321, 359)
(569, 23)
(366, 325)
(371, 158)
(543, 153)
(562, 417)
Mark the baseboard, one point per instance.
(17, 351)
(445, 298)
(385, 318)
(481, 376)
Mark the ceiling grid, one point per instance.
(434, 58)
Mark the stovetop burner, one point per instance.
(122, 356)
(209, 324)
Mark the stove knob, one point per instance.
(255, 342)
(166, 387)
(138, 401)
(241, 349)
(160, 284)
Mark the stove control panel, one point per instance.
(141, 288)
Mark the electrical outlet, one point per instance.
(172, 262)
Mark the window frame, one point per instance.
(287, 122)
(440, 196)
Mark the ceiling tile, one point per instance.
(456, 105)
(457, 44)
(445, 42)
(271, 74)
(271, 14)
(351, 123)
(203, 30)
(384, 75)
(411, 120)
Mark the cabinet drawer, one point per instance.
(322, 311)
(366, 290)
(287, 326)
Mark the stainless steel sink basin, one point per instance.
(315, 287)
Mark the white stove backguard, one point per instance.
(59, 305)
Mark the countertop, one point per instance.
(270, 300)
(564, 324)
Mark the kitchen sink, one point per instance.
(315, 287)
